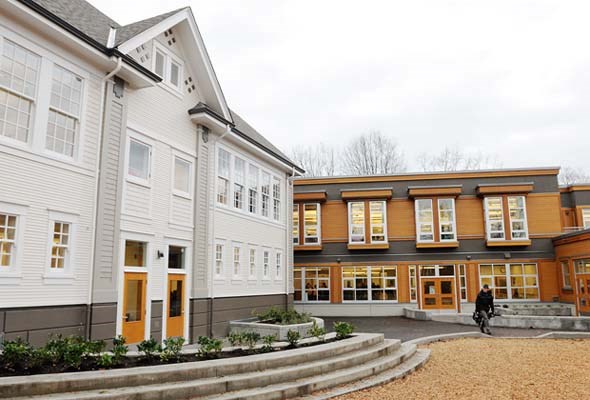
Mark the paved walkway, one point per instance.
(408, 329)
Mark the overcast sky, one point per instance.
(508, 78)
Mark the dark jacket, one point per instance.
(484, 302)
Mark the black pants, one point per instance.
(484, 322)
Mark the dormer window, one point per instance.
(168, 67)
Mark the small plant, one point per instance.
(119, 349)
(74, 351)
(235, 339)
(209, 347)
(251, 338)
(96, 347)
(343, 329)
(105, 360)
(267, 342)
(289, 317)
(317, 332)
(172, 349)
(150, 348)
(16, 354)
(293, 338)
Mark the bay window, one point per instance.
(312, 284)
(506, 218)
(435, 224)
(376, 226)
(375, 283)
(223, 167)
(516, 281)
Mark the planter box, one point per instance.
(279, 331)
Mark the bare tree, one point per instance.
(453, 159)
(372, 153)
(570, 175)
(317, 160)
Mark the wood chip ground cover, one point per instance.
(495, 369)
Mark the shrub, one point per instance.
(343, 329)
(96, 346)
(69, 351)
(16, 354)
(289, 317)
(119, 349)
(293, 338)
(317, 332)
(235, 339)
(251, 338)
(172, 349)
(209, 347)
(75, 350)
(150, 348)
(105, 360)
(267, 342)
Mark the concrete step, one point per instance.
(307, 386)
(105, 381)
(220, 385)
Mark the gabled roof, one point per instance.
(126, 32)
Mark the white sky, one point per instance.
(509, 78)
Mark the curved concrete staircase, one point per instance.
(331, 369)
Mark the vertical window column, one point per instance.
(295, 231)
(356, 224)
(239, 178)
(311, 223)
(223, 172)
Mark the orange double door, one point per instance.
(438, 293)
(583, 283)
(134, 306)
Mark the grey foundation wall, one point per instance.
(103, 321)
(156, 320)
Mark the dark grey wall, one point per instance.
(407, 251)
(581, 198)
(156, 320)
(103, 322)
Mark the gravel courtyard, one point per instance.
(495, 369)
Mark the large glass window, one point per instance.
(511, 281)
(7, 240)
(252, 189)
(265, 191)
(182, 173)
(424, 220)
(176, 257)
(276, 199)
(413, 283)
(518, 223)
(139, 160)
(135, 253)
(311, 284)
(565, 273)
(446, 219)
(239, 178)
(356, 222)
(19, 70)
(369, 283)
(463, 282)
(295, 224)
(311, 223)
(494, 218)
(64, 112)
(378, 221)
(586, 218)
(582, 266)
(223, 167)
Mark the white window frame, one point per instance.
(67, 272)
(266, 264)
(453, 222)
(461, 272)
(565, 271)
(524, 221)
(219, 272)
(508, 276)
(413, 273)
(586, 217)
(12, 274)
(225, 178)
(419, 224)
(295, 216)
(369, 287)
(384, 224)
(318, 227)
(253, 191)
(252, 261)
(236, 260)
(317, 280)
(178, 192)
(132, 136)
(238, 182)
(278, 265)
(265, 206)
(169, 58)
(489, 231)
(276, 189)
(351, 225)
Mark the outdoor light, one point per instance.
(160, 254)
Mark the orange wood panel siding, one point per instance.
(472, 271)
(403, 284)
(401, 221)
(311, 196)
(566, 295)
(568, 217)
(335, 284)
(429, 192)
(367, 194)
(334, 221)
(543, 214)
(470, 217)
(548, 280)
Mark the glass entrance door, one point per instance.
(134, 307)
(175, 312)
(438, 293)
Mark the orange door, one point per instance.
(134, 299)
(175, 313)
(584, 293)
(438, 293)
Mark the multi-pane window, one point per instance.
(139, 160)
(237, 260)
(223, 167)
(252, 262)
(565, 273)
(424, 220)
(582, 266)
(60, 245)
(295, 224)
(494, 218)
(252, 189)
(378, 221)
(413, 283)
(369, 283)
(518, 223)
(64, 112)
(265, 263)
(511, 281)
(311, 223)
(446, 219)
(182, 172)
(167, 68)
(19, 70)
(7, 240)
(462, 282)
(276, 199)
(586, 218)
(239, 177)
(265, 191)
(311, 284)
(278, 264)
(218, 259)
(356, 225)
(135, 253)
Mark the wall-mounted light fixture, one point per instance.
(160, 254)
(468, 258)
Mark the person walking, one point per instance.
(484, 309)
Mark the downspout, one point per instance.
(104, 84)
(290, 257)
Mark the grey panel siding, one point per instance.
(566, 200)
(542, 184)
(156, 320)
(581, 198)
(199, 318)
(200, 277)
(103, 322)
(406, 251)
(35, 324)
